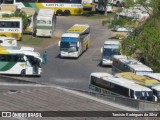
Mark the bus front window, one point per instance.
(144, 95)
(109, 52)
(43, 22)
(69, 45)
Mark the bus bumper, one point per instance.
(106, 62)
(66, 54)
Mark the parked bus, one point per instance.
(62, 7)
(87, 4)
(20, 62)
(75, 41)
(145, 81)
(31, 13)
(105, 83)
(8, 41)
(123, 64)
(46, 21)
(7, 9)
(11, 27)
(154, 76)
(109, 49)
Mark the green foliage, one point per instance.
(24, 17)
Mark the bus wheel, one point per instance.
(86, 47)
(59, 12)
(67, 13)
(23, 73)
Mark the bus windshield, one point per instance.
(109, 52)
(143, 94)
(69, 46)
(44, 22)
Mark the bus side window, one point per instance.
(2, 58)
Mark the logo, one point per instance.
(6, 114)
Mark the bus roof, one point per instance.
(108, 42)
(78, 28)
(154, 75)
(11, 18)
(70, 35)
(134, 64)
(100, 74)
(125, 83)
(156, 87)
(16, 50)
(8, 7)
(28, 10)
(45, 13)
(138, 78)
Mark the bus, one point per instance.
(145, 81)
(11, 27)
(15, 61)
(8, 41)
(154, 76)
(61, 7)
(109, 49)
(31, 13)
(87, 4)
(7, 9)
(75, 41)
(45, 22)
(105, 83)
(123, 63)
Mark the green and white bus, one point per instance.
(105, 83)
(22, 61)
(45, 24)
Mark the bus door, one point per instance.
(28, 67)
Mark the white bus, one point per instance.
(109, 49)
(87, 4)
(11, 27)
(154, 76)
(31, 13)
(46, 21)
(105, 83)
(75, 41)
(61, 7)
(123, 64)
(20, 62)
(8, 41)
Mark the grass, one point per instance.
(37, 42)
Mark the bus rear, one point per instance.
(11, 27)
(45, 23)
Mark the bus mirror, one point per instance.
(25, 58)
(101, 50)
(77, 44)
(59, 43)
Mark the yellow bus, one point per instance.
(145, 81)
(11, 27)
(75, 41)
(61, 7)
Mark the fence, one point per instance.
(128, 102)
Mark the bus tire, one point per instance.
(59, 12)
(67, 13)
(86, 47)
(23, 73)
